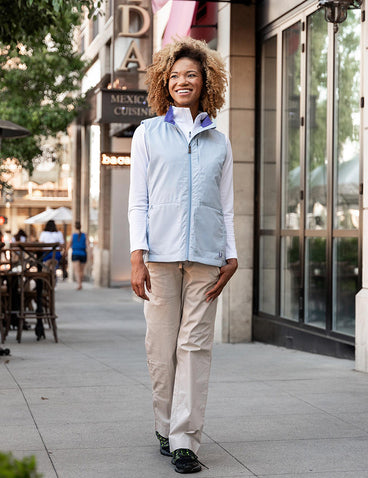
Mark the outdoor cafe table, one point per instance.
(33, 279)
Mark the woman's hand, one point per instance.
(140, 278)
(226, 272)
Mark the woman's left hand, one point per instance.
(226, 272)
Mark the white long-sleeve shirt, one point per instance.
(138, 195)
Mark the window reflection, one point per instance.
(267, 274)
(290, 277)
(347, 120)
(315, 282)
(316, 122)
(291, 127)
(345, 280)
(268, 135)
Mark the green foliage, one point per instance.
(30, 20)
(348, 80)
(10, 467)
(39, 85)
(317, 90)
(317, 250)
(347, 251)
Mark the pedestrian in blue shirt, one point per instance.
(79, 245)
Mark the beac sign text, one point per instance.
(122, 106)
(115, 159)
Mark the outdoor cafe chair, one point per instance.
(37, 286)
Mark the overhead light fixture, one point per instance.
(336, 11)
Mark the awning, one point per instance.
(180, 20)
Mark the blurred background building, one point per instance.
(295, 116)
(49, 186)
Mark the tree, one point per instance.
(29, 21)
(39, 83)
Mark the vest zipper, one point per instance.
(190, 193)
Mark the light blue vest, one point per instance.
(185, 219)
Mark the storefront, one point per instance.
(308, 234)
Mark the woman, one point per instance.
(20, 236)
(181, 224)
(78, 243)
(51, 235)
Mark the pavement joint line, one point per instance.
(234, 457)
(330, 414)
(108, 366)
(33, 418)
(280, 440)
(303, 473)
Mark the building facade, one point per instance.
(48, 186)
(296, 119)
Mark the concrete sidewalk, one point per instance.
(83, 406)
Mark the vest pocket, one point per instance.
(165, 233)
(209, 233)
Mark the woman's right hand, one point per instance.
(140, 278)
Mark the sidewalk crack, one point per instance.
(32, 416)
(232, 456)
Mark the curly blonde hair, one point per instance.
(213, 73)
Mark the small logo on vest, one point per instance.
(220, 254)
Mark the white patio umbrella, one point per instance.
(62, 214)
(40, 218)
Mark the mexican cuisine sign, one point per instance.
(122, 106)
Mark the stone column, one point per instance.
(236, 42)
(84, 178)
(76, 153)
(102, 277)
(361, 320)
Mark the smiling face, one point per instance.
(185, 84)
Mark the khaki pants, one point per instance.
(179, 338)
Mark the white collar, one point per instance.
(182, 114)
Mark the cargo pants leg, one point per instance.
(179, 338)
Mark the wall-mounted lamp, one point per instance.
(336, 11)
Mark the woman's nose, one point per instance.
(182, 80)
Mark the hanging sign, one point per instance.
(122, 106)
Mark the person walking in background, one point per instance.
(50, 235)
(182, 236)
(79, 245)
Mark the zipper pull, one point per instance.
(189, 149)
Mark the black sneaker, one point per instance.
(185, 461)
(164, 445)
